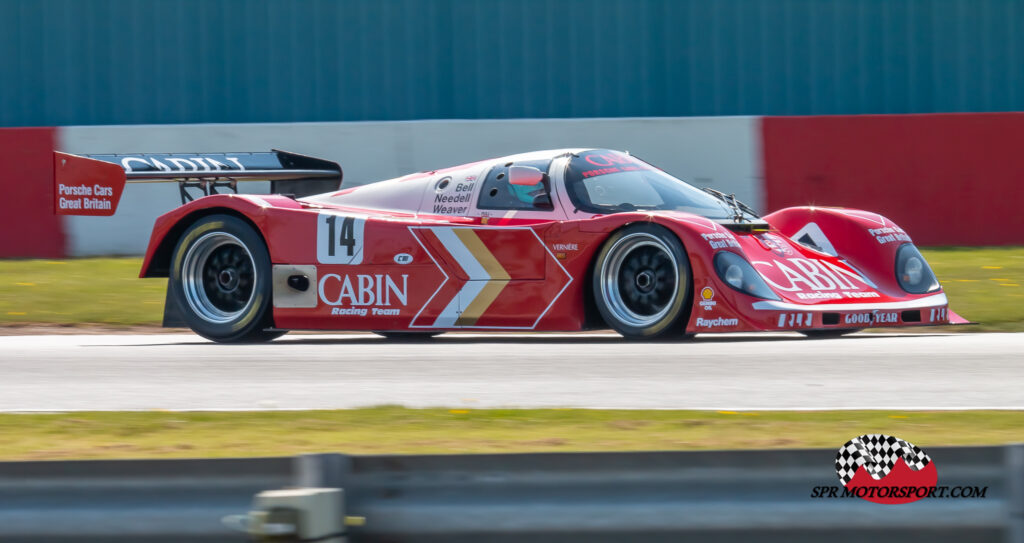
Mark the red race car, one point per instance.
(564, 240)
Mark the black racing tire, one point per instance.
(826, 334)
(408, 336)
(221, 281)
(642, 283)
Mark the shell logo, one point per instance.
(707, 295)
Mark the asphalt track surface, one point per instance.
(734, 372)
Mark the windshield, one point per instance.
(610, 181)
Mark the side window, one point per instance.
(497, 193)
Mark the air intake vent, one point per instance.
(911, 316)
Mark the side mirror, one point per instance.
(526, 176)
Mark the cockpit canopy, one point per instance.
(603, 181)
(596, 181)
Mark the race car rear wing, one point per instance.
(92, 184)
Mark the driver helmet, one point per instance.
(526, 194)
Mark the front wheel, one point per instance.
(642, 282)
(220, 279)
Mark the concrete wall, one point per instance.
(721, 152)
(947, 179)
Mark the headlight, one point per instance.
(912, 272)
(740, 275)
(734, 276)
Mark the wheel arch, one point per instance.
(159, 263)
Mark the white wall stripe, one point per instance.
(720, 152)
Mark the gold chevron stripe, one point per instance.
(482, 255)
(480, 304)
(498, 277)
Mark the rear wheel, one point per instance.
(220, 279)
(642, 282)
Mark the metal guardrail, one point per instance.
(131, 500)
(659, 496)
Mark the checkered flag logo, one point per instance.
(878, 454)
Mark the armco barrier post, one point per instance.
(321, 470)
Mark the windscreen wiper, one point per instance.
(738, 208)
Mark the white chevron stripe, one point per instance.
(451, 312)
(470, 291)
(477, 274)
(465, 259)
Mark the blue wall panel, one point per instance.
(178, 61)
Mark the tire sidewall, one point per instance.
(257, 317)
(673, 320)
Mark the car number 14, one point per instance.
(339, 239)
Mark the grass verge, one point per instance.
(387, 430)
(985, 285)
(79, 291)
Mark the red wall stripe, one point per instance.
(950, 179)
(28, 226)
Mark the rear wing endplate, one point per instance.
(92, 184)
